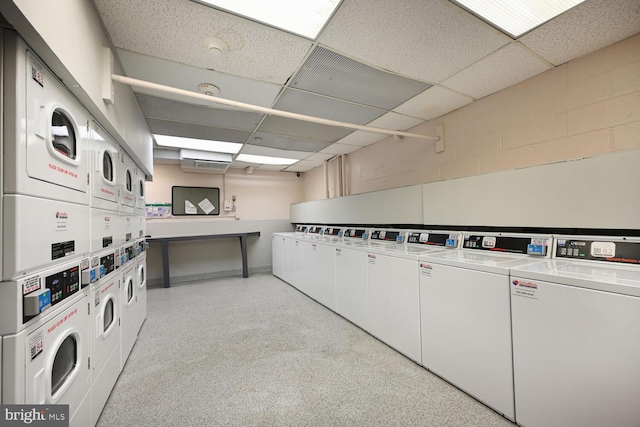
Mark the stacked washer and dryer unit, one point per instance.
(62, 259)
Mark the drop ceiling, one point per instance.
(389, 64)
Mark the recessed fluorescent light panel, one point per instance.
(265, 160)
(197, 144)
(305, 18)
(516, 17)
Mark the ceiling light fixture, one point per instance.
(305, 18)
(517, 17)
(265, 160)
(197, 144)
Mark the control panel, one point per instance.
(449, 240)
(356, 233)
(598, 250)
(529, 245)
(388, 235)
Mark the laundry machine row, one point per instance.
(72, 213)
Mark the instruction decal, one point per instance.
(524, 288)
(190, 208)
(36, 345)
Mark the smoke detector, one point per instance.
(209, 89)
(216, 47)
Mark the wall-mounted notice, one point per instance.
(195, 201)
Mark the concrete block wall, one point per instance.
(587, 107)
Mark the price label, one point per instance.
(603, 249)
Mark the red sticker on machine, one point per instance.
(36, 345)
(426, 269)
(524, 288)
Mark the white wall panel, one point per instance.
(598, 192)
(395, 206)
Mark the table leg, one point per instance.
(165, 263)
(243, 249)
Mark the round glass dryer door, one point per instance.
(107, 166)
(63, 134)
(65, 361)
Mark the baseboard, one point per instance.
(158, 283)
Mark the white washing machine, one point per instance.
(46, 130)
(105, 170)
(318, 266)
(352, 299)
(129, 309)
(576, 335)
(394, 293)
(277, 250)
(466, 313)
(48, 363)
(29, 301)
(105, 297)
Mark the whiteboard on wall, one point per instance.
(598, 192)
(396, 206)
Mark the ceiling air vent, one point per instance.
(204, 161)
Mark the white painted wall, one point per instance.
(68, 36)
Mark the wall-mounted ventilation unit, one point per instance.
(204, 161)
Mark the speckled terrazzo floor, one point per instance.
(256, 352)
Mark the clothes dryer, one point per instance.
(141, 281)
(466, 313)
(105, 298)
(352, 300)
(46, 130)
(576, 340)
(393, 288)
(128, 311)
(128, 177)
(105, 169)
(48, 363)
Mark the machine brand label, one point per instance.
(371, 258)
(30, 285)
(426, 269)
(524, 288)
(62, 215)
(36, 345)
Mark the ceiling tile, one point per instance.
(188, 130)
(303, 130)
(175, 30)
(281, 142)
(159, 108)
(340, 149)
(432, 103)
(297, 168)
(273, 152)
(321, 157)
(186, 77)
(361, 138)
(297, 101)
(395, 121)
(424, 39)
(506, 67)
(587, 27)
(331, 74)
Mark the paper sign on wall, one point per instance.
(190, 208)
(206, 206)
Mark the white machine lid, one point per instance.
(489, 262)
(608, 277)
